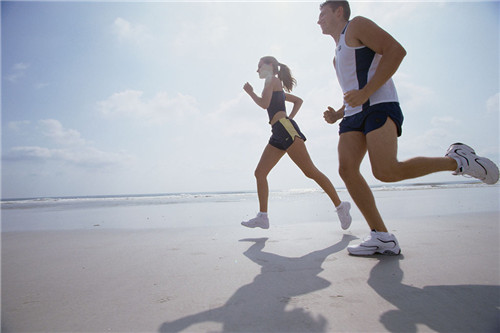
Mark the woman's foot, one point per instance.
(260, 221)
(344, 215)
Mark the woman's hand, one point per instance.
(331, 116)
(248, 88)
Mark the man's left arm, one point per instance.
(369, 34)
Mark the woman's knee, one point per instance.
(312, 173)
(260, 173)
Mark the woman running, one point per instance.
(286, 138)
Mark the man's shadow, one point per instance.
(260, 305)
(445, 308)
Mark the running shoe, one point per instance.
(344, 216)
(260, 221)
(376, 242)
(472, 165)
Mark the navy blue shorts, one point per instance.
(285, 131)
(373, 118)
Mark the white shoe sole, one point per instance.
(254, 226)
(369, 252)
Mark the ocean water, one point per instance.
(184, 210)
(192, 198)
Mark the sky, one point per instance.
(104, 98)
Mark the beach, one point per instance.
(185, 264)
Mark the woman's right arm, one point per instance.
(267, 93)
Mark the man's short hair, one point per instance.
(334, 4)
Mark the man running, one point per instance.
(366, 58)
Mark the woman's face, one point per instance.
(265, 70)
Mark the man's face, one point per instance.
(327, 20)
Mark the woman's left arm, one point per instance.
(297, 103)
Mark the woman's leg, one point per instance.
(270, 157)
(298, 153)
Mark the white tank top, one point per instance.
(355, 66)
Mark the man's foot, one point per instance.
(376, 242)
(260, 221)
(344, 216)
(472, 165)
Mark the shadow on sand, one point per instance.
(446, 308)
(260, 305)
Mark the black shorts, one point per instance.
(373, 118)
(285, 131)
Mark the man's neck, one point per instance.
(338, 31)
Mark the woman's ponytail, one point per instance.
(285, 75)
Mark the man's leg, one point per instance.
(352, 149)
(382, 145)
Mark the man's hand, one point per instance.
(356, 97)
(331, 116)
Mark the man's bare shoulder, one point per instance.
(360, 30)
(355, 31)
(360, 22)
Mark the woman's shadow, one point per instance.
(260, 305)
(443, 308)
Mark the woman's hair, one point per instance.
(334, 4)
(284, 73)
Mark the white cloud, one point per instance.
(432, 142)
(54, 130)
(444, 121)
(21, 66)
(18, 71)
(237, 118)
(75, 150)
(39, 86)
(83, 157)
(492, 104)
(159, 109)
(29, 153)
(18, 125)
(127, 31)
(413, 97)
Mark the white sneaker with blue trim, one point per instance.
(376, 242)
(472, 165)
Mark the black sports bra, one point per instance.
(277, 104)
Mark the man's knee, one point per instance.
(343, 172)
(347, 171)
(386, 174)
